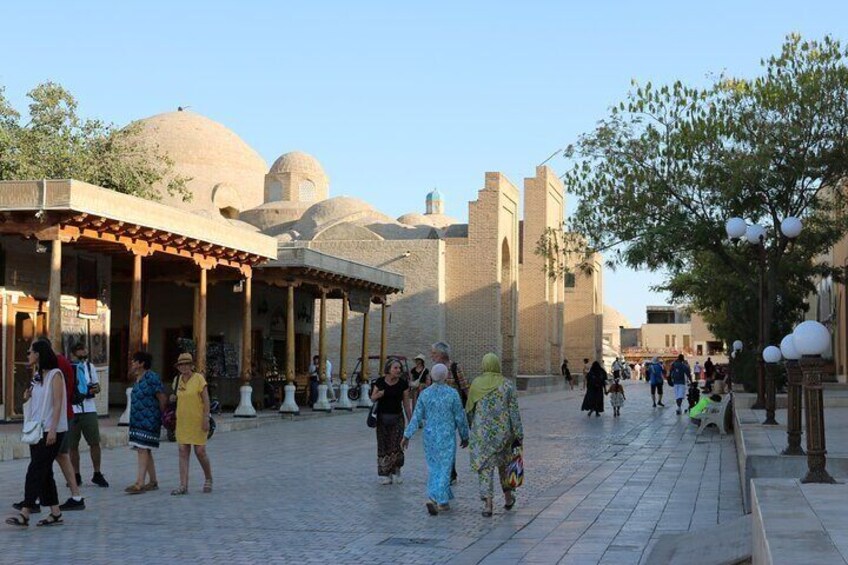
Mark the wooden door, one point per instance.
(26, 321)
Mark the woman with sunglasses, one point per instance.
(47, 405)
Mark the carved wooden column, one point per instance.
(383, 311)
(289, 405)
(245, 408)
(55, 296)
(323, 404)
(200, 328)
(364, 389)
(343, 402)
(136, 321)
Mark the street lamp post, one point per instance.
(771, 356)
(794, 382)
(755, 234)
(811, 339)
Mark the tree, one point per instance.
(659, 176)
(57, 143)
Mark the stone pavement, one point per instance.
(597, 490)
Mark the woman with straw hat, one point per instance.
(192, 396)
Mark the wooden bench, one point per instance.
(716, 414)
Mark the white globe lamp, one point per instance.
(755, 234)
(771, 354)
(811, 338)
(735, 228)
(737, 345)
(787, 349)
(791, 227)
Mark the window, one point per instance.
(667, 340)
(570, 280)
(307, 191)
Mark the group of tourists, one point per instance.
(60, 408)
(678, 376)
(443, 403)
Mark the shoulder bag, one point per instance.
(33, 430)
(372, 415)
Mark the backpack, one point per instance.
(77, 397)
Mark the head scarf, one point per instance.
(439, 373)
(490, 380)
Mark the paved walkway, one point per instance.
(598, 490)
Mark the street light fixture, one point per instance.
(755, 235)
(794, 382)
(811, 339)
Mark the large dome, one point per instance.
(213, 156)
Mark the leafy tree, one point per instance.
(57, 143)
(659, 176)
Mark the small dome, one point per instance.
(434, 195)
(439, 221)
(299, 162)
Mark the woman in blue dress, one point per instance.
(440, 409)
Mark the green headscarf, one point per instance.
(490, 380)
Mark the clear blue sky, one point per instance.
(395, 98)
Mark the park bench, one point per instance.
(716, 414)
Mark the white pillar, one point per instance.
(245, 408)
(364, 396)
(343, 401)
(124, 420)
(323, 405)
(289, 406)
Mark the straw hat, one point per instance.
(184, 358)
(419, 356)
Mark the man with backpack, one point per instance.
(86, 387)
(680, 375)
(655, 372)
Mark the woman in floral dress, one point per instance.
(440, 410)
(495, 425)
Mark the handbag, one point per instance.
(212, 426)
(514, 476)
(33, 430)
(372, 415)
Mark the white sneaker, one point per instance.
(386, 480)
(398, 478)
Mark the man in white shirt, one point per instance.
(331, 394)
(85, 415)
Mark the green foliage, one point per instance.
(659, 176)
(56, 143)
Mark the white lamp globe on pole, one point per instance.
(735, 228)
(771, 354)
(787, 349)
(737, 345)
(791, 227)
(755, 234)
(811, 338)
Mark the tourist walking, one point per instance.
(617, 367)
(192, 397)
(440, 352)
(392, 393)
(495, 427)
(148, 401)
(440, 411)
(85, 421)
(617, 398)
(697, 369)
(596, 388)
(419, 379)
(680, 375)
(709, 374)
(656, 373)
(567, 374)
(47, 404)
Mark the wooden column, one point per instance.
(200, 328)
(343, 344)
(290, 335)
(322, 339)
(55, 296)
(383, 334)
(363, 373)
(145, 316)
(135, 308)
(247, 333)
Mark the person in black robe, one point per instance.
(596, 388)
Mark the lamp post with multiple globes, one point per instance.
(755, 234)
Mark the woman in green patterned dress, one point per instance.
(492, 408)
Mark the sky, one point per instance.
(396, 98)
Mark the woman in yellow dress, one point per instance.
(192, 397)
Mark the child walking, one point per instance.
(617, 398)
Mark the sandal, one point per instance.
(51, 520)
(152, 485)
(487, 507)
(509, 500)
(432, 508)
(207, 486)
(180, 491)
(134, 489)
(20, 520)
